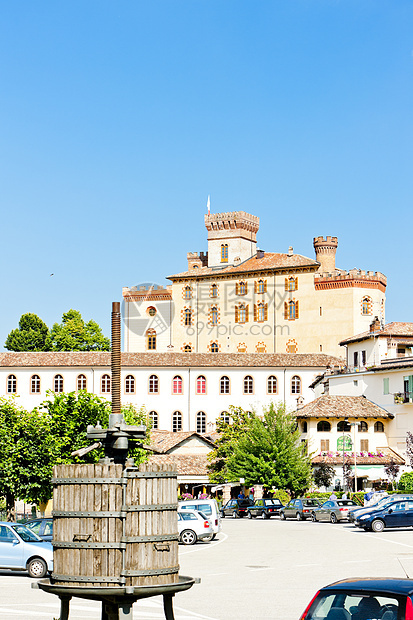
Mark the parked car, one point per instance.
(209, 508)
(22, 549)
(359, 599)
(192, 526)
(265, 508)
(333, 510)
(397, 514)
(300, 509)
(43, 527)
(383, 501)
(236, 508)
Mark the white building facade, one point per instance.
(181, 392)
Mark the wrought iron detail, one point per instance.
(152, 571)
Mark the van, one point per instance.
(210, 509)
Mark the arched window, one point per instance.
(296, 385)
(201, 385)
(241, 313)
(187, 317)
(153, 418)
(35, 384)
(261, 312)
(366, 306)
(379, 427)
(224, 385)
(11, 384)
(343, 427)
(130, 384)
(291, 310)
(225, 417)
(214, 290)
(272, 385)
(224, 253)
(151, 340)
(363, 427)
(241, 288)
(81, 383)
(201, 422)
(153, 384)
(176, 421)
(292, 346)
(58, 383)
(323, 426)
(248, 385)
(187, 348)
(261, 286)
(214, 347)
(105, 384)
(214, 315)
(291, 284)
(151, 311)
(187, 292)
(304, 426)
(177, 385)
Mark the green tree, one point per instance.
(229, 434)
(73, 334)
(406, 482)
(31, 335)
(25, 459)
(266, 450)
(323, 474)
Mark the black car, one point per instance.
(359, 599)
(43, 527)
(265, 508)
(236, 508)
(301, 508)
(397, 514)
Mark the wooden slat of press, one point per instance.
(105, 531)
(97, 530)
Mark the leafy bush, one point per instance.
(282, 495)
(406, 482)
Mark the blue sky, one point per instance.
(119, 118)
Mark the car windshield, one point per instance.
(272, 502)
(25, 534)
(346, 502)
(310, 502)
(345, 606)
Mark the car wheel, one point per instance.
(249, 515)
(265, 515)
(298, 516)
(222, 514)
(377, 525)
(37, 568)
(333, 518)
(188, 537)
(282, 516)
(235, 514)
(313, 517)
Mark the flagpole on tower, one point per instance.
(209, 205)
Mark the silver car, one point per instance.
(333, 510)
(21, 549)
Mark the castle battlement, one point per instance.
(147, 291)
(197, 260)
(357, 278)
(232, 220)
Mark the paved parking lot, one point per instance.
(257, 569)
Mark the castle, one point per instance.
(236, 298)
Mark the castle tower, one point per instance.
(325, 252)
(232, 237)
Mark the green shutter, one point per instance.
(386, 385)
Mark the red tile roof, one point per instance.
(163, 441)
(269, 261)
(153, 359)
(327, 406)
(390, 330)
(185, 464)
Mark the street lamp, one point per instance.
(355, 457)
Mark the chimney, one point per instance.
(375, 325)
(325, 253)
(290, 250)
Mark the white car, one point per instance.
(192, 526)
(208, 507)
(21, 549)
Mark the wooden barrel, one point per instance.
(115, 526)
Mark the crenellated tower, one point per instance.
(325, 252)
(232, 237)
